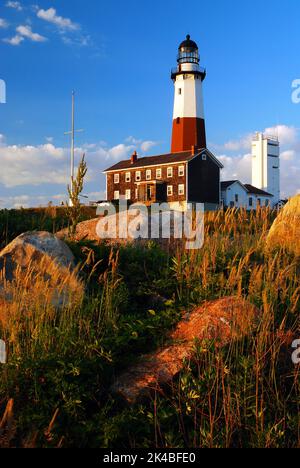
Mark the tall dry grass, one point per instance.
(246, 395)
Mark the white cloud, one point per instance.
(15, 5)
(15, 40)
(43, 164)
(26, 31)
(287, 135)
(237, 168)
(288, 155)
(51, 16)
(148, 145)
(3, 23)
(239, 145)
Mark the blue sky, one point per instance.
(117, 56)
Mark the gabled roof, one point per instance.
(228, 183)
(170, 158)
(250, 189)
(256, 191)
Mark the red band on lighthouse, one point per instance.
(188, 132)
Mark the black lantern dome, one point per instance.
(188, 52)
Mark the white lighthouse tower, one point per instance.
(266, 165)
(188, 118)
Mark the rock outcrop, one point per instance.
(285, 232)
(222, 320)
(37, 267)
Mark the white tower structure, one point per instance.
(266, 165)
(188, 117)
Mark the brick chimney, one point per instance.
(134, 158)
(194, 150)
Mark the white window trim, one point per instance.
(181, 190)
(116, 197)
(158, 173)
(170, 191)
(181, 171)
(148, 174)
(128, 194)
(117, 178)
(128, 177)
(170, 170)
(138, 176)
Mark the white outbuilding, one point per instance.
(234, 194)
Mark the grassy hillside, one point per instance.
(56, 385)
(52, 219)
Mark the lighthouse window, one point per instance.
(179, 91)
(178, 120)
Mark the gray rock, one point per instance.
(42, 267)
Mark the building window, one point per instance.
(117, 195)
(117, 178)
(251, 201)
(138, 176)
(158, 173)
(170, 172)
(236, 198)
(128, 177)
(204, 157)
(231, 204)
(170, 190)
(148, 174)
(181, 189)
(128, 195)
(181, 171)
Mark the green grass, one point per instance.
(61, 366)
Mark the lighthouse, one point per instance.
(188, 117)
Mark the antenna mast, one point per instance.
(72, 133)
